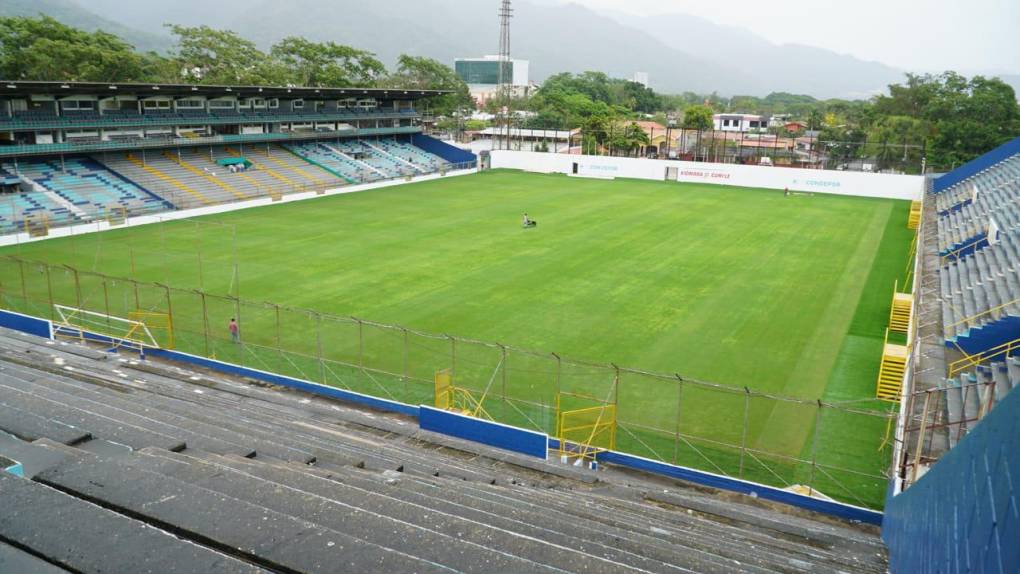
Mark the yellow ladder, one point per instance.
(902, 307)
(168, 179)
(914, 220)
(198, 172)
(892, 370)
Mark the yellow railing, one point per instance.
(982, 314)
(585, 432)
(1005, 350)
(956, 254)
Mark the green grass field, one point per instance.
(736, 286)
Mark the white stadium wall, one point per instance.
(863, 184)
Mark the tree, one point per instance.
(428, 74)
(209, 56)
(325, 64)
(698, 117)
(44, 49)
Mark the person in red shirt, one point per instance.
(235, 332)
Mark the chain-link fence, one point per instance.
(838, 449)
(774, 148)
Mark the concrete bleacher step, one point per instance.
(83, 537)
(96, 424)
(195, 435)
(31, 426)
(246, 529)
(460, 545)
(439, 501)
(17, 560)
(728, 540)
(704, 544)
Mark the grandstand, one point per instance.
(73, 153)
(133, 453)
(959, 406)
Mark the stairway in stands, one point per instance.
(156, 467)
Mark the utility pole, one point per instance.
(504, 90)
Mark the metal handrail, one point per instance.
(159, 143)
(143, 120)
(983, 313)
(968, 361)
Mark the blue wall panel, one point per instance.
(964, 514)
(25, 324)
(486, 432)
(444, 150)
(977, 165)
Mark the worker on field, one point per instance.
(528, 222)
(235, 331)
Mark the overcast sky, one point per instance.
(921, 35)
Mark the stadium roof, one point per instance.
(16, 87)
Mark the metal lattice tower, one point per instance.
(504, 89)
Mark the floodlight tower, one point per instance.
(505, 78)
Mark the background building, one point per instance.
(482, 76)
(740, 122)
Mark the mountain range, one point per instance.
(680, 52)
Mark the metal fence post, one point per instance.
(679, 403)
(453, 359)
(503, 362)
(106, 300)
(743, 435)
(814, 448)
(77, 286)
(361, 343)
(318, 346)
(205, 321)
(407, 359)
(49, 290)
(24, 288)
(279, 346)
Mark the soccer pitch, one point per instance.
(737, 286)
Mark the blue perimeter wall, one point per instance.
(490, 433)
(444, 150)
(486, 432)
(964, 514)
(977, 165)
(25, 324)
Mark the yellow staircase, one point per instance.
(159, 174)
(891, 371)
(914, 220)
(899, 314)
(180, 161)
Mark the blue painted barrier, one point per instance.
(977, 165)
(963, 515)
(26, 324)
(444, 150)
(486, 432)
(831, 508)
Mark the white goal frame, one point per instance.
(129, 333)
